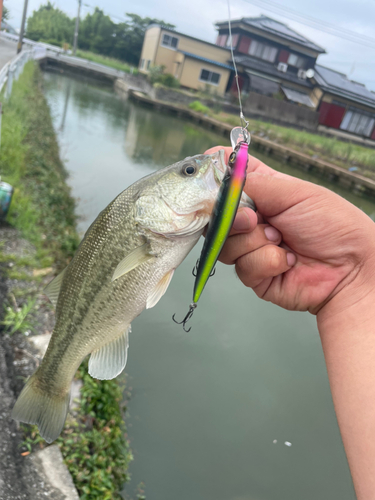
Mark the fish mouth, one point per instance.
(220, 167)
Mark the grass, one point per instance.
(42, 208)
(107, 61)
(93, 443)
(344, 154)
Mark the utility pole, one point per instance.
(76, 28)
(1, 12)
(22, 30)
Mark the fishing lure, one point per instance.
(223, 215)
(226, 205)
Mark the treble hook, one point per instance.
(195, 268)
(189, 314)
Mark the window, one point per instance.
(148, 64)
(209, 77)
(169, 41)
(296, 61)
(221, 40)
(263, 51)
(235, 41)
(358, 123)
(142, 64)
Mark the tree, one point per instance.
(97, 33)
(51, 25)
(6, 14)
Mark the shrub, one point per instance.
(199, 107)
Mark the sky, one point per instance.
(197, 18)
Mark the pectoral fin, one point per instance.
(134, 259)
(52, 290)
(109, 361)
(159, 290)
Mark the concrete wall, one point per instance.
(261, 106)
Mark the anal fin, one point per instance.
(110, 360)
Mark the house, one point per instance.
(344, 104)
(195, 63)
(272, 58)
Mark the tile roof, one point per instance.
(204, 59)
(339, 84)
(263, 67)
(281, 30)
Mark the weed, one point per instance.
(107, 61)
(16, 318)
(199, 107)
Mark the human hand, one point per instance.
(308, 245)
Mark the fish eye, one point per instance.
(189, 170)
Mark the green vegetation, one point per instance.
(157, 77)
(42, 208)
(16, 318)
(200, 108)
(93, 443)
(344, 154)
(106, 61)
(97, 32)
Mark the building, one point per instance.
(344, 104)
(195, 63)
(272, 58)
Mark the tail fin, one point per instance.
(47, 411)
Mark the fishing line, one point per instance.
(242, 117)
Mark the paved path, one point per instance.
(8, 49)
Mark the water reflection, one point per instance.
(206, 406)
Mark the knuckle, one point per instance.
(273, 257)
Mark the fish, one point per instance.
(123, 265)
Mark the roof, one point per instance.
(187, 36)
(339, 84)
(265, 68)
(296, 96)
(273, 27)
(204, 59)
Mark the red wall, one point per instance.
(331, 115)
(373, 134)
(244, 44)
(283, 56)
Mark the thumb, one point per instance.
(273, 194)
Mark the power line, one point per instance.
(317, 24)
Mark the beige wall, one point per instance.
(150, 44)
(191, 71)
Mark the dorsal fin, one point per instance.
(52, 290)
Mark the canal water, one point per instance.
(240, 407)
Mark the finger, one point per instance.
(273, 195)
(240, 244)
(246, 221)
(265, 262)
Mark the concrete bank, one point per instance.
(349, 180)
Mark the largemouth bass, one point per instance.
(123, 265)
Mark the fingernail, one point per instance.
(291, 259)
(242, 221)
(272, 234)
